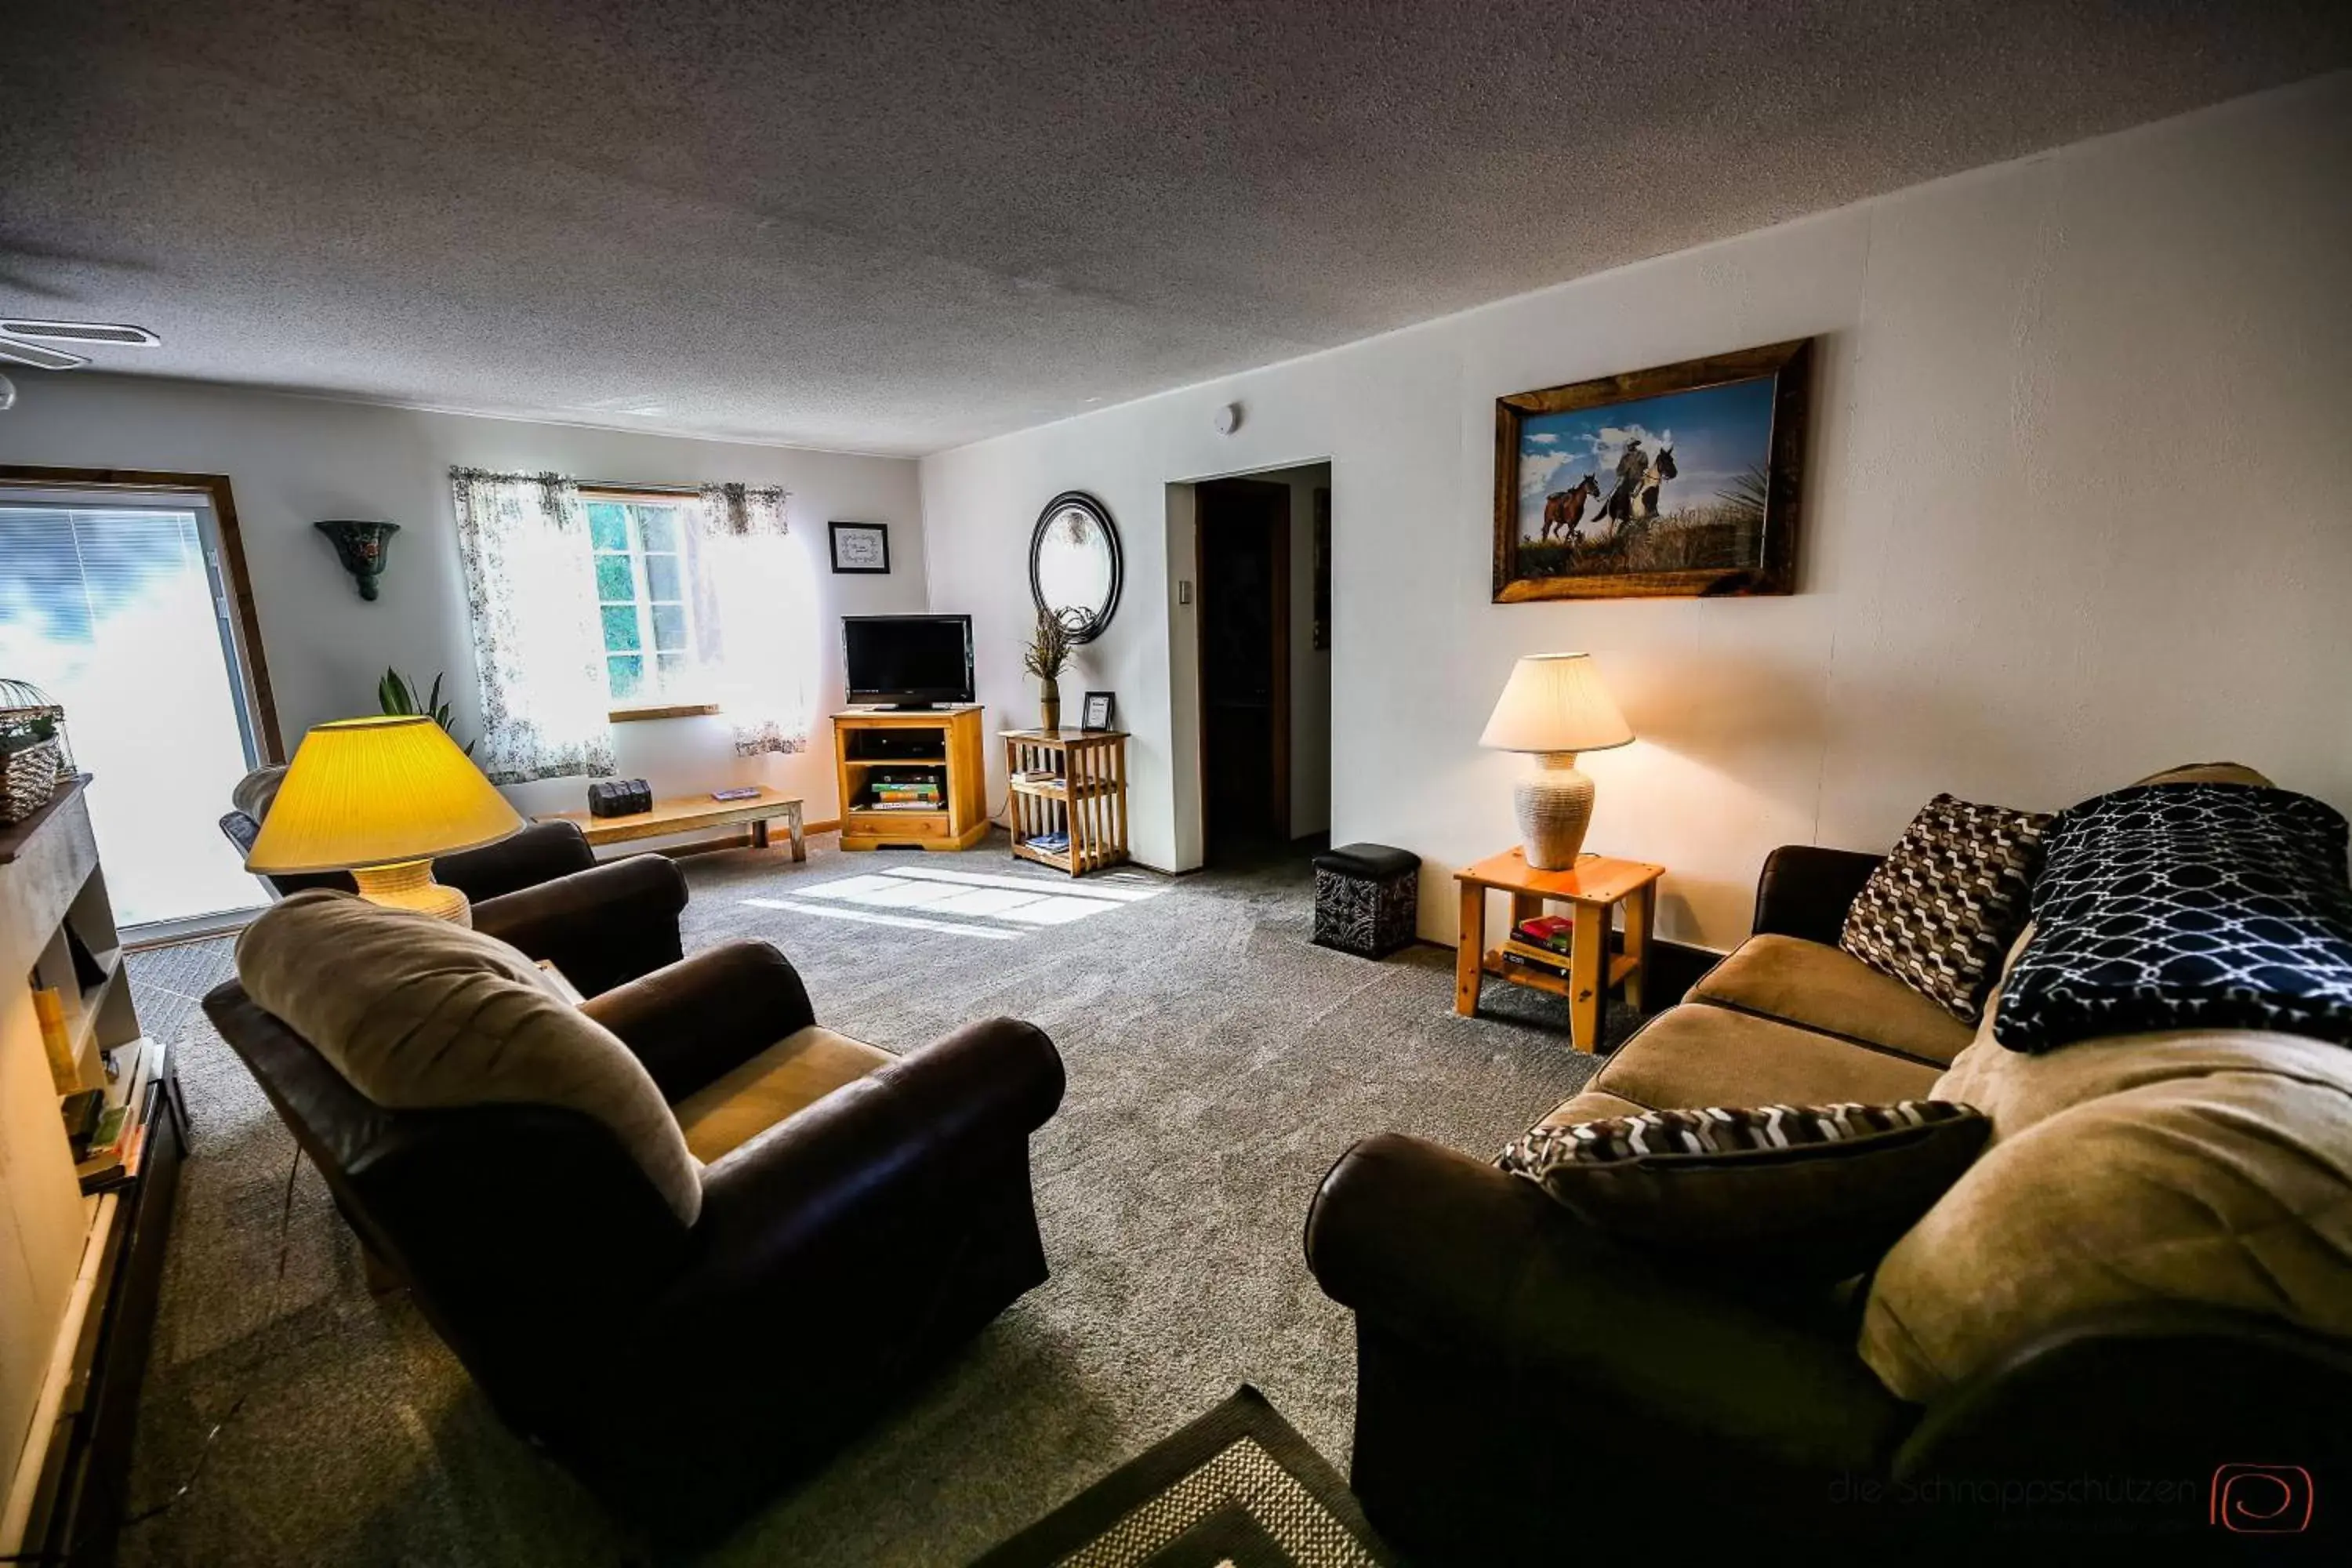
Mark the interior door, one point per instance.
(1244, 572)
(118, 607)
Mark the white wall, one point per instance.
(2076, 510)
(293, 460)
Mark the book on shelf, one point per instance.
(1556, 933)
(82, 1112)
(901, 806)
(1037, 776)
(1541, 960)
(118, 1148)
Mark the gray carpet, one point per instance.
(1218, 1064)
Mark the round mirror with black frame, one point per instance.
(1074, 565)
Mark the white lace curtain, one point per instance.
(757, 608)
(530, 589)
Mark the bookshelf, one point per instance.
(874, 748)
(80, 1257)
(1068, 797)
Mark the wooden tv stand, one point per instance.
(942, 742)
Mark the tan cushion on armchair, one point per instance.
(795, 1072)
(418, 1014)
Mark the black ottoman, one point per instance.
(1367, 897)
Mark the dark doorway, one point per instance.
(1244, 532)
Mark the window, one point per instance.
(118, 602)
(643, 595)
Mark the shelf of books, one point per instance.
(911, 779)
(91, 1132)
(1537, 954)
(1067, 801)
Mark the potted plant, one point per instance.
(1047, 655)
(393, 694)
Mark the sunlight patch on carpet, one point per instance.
(970, 903)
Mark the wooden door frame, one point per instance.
(1279, 693)
(245, 623)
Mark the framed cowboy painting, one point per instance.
(1682, 480)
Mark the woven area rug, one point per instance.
(1237, 1488)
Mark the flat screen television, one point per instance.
(907, 661)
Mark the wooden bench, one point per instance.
(687, 813)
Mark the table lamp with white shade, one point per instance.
(1555, 706)
(380, 798)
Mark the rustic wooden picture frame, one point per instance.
(1774, 571)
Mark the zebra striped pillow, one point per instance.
(1805, 1193)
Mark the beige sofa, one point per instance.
(2148, 1272)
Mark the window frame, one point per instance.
(659, 703)
(225, 562)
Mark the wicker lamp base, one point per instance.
(1555, 806)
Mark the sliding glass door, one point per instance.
(116, 605)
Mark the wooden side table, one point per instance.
(1594, 885)
(1072, 796)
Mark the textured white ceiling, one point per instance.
(896, 227)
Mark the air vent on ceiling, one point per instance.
(83, 333)
(38, 357)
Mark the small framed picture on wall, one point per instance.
(1098, 713)
(861, 548)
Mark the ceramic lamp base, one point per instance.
(1555, 806)
(410, 886)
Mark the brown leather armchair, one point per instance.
(603, 923)
(682, 1370)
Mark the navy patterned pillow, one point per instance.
(2186, 906)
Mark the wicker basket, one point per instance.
(31, 779)
(28, 777)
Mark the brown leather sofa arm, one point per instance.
(1805, 891)
(603, 927)
(539, 853)
(865, 1162)
(692, 1021)
(1481, 1271)
(2158, 1391)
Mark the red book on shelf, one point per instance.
(1554, 931)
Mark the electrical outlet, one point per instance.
(1183, 589)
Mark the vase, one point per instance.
(1049, 703)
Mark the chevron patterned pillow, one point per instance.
(1800, 1195)
(1939, 912)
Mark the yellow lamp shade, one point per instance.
(378, 792)
(1554, 703)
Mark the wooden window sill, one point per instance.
(671, 710)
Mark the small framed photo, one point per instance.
(1099, 712)
(861, 548)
